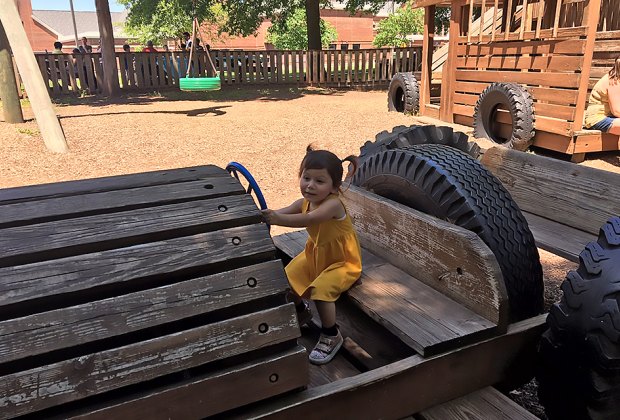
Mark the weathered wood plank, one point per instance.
(387, 392)
(551, 46)
(80, 377)
(577, 196)
(554, 63)
(92, 321)
(186, 255)
(67, 237)
(562, 240)
(420, 316)
(224, 390)
(448, 258)
(486, 403)
(117, 182)
(47, 209)
(562, 80)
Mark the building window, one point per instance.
(344, 47)
(332, 46)
(356, 46)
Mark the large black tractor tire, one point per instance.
(450, 185)
(403, 136)
(404, 94)
(513, 98)
(579, 371)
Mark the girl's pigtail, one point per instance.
(354, 162)
(352, 168)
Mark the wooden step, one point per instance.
(420, 316)
(484, 404)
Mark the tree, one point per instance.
(241, 18)
(442, 19)
(394, 29)
(293, 34)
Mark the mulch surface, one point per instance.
(266, 129)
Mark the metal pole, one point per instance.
(74, 25)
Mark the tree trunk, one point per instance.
(38, 93)
(110, 70)
(8, 88)
(313, 19)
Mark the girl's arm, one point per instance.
(330, 209)
(613, 96)
(295, 207)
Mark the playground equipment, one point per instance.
(200, 84)
(514, 64)
(162, 295)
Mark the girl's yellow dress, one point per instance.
(331, 261)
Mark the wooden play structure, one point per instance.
(555, 49)
(162, 295)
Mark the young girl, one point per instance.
(331, 261)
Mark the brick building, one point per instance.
(44, 27)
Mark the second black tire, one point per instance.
(513, 98)
(451, 185)
(404, 94)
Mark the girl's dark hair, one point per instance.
(323, 159)
(614, 73)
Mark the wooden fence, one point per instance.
(68, 74)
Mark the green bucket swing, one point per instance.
(199, 84)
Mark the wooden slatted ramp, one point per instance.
(432, 284)
(155, 295)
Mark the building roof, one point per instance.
(60, 23)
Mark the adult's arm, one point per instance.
(613, 95)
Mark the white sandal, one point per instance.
(326, 349)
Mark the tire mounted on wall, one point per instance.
(403, 136)
(450, 185)
(517, 100)
(579, 371)
(404, 94)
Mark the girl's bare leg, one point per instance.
(327, 312)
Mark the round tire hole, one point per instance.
(273, 378)
(252, 282)
(208, 186)
(222, 208)
(236, 240)
(459, 271)
(263, 328)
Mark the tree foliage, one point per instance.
(237, 18)
(293, 34)
(394, 29)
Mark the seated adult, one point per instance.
(603, 112)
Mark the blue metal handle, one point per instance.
(235, 168)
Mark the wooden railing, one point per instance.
(73, 74)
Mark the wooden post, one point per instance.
(448, 78)
(428, 44)
(8, 88)
(42, 107)
(591, 16)
(110, 70)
